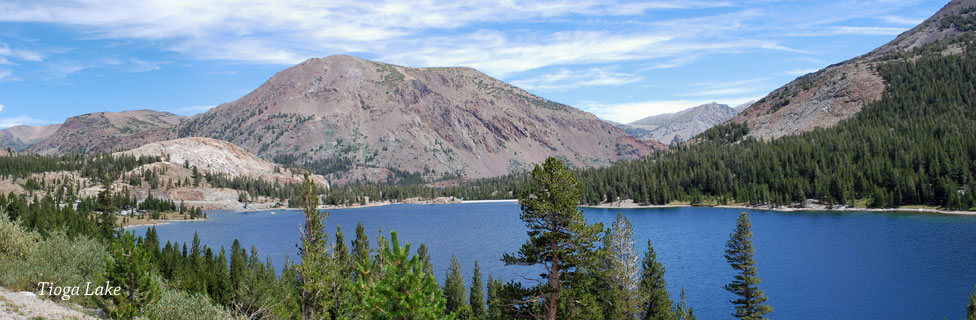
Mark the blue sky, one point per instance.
(621, 60)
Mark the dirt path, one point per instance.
(19, 305)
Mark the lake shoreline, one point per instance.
(161, 222)
(629, 204)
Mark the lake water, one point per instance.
(814, 265)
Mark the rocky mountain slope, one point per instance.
(108, 131)
(682, 125)
(22, 137)
(824, 98)
(358, 115)
(215, 156)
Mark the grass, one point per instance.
(147, 219)
(862, 203)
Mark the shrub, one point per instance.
(26, 260)
(176, 304)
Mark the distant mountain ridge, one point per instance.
(22, 137)
(106, 131)
(366, 120)
(837, 92)
(682, 125)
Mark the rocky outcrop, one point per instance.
(213, 156)
(824, 98)
(680, 126)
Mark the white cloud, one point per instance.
(633, 111)
(28, 55)
(410, 33)
(21, 120)
(4, 73)
(565, 79)
(727, 88)
(1, 107)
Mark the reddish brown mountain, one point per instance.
(108, 131)
(364, 117)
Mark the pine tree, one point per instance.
(454, 290)
(682, 310)
(559, 237)
(620, 266)
(131, 269)
(360, 245)
(425, 259)
(394, 286)
(477, 296)
(740, 254)
(655, 299)
(314, 271)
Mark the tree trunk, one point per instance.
(552, 306)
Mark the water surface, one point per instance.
(814, 265)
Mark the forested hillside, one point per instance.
(915, 146)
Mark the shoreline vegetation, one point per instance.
(161, 218)
(808, 206)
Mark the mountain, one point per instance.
(107, 131)
(837, 92)
(681, 125)
(22, 137)
(364, 119)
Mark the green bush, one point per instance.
(15, 242)
(26, 260)
(177, 304)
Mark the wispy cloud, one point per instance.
(22, 54)
(849, 30)
(1, 107)
(565, 79)
(21, 120)
(287, 32)
(727, 88)
(4, 74)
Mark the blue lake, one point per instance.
(814, 265)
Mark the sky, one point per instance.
(620, 60)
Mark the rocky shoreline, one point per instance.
(806, 206)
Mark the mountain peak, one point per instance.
(681, 125)
(438, 121)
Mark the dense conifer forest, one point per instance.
(913, 147)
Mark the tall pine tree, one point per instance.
(314, 270)
(740, 254)
(559, 238)
(621, 268)
(454, 289)
(655, 300)
(477, 297)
